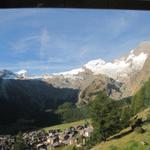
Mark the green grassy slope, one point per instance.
(65, 125)
(128, 142)
(131, 141)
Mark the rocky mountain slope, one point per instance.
(137, 79)
(34, 98)
(120, 78)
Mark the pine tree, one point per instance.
(125, 116)
(141, 99)
(105, 117)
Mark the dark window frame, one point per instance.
(91, 4)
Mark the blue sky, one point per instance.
(54, 40)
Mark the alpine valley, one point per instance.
(121, 78)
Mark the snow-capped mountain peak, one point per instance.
(22, 73)
(119, 67)
(70, 73)
(95, 63)
(6, 74)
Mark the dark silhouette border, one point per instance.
(92, 4)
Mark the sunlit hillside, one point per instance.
(131, 141)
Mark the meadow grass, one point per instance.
(66, 125)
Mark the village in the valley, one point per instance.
(42, 140)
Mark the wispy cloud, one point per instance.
(48, 66)
(26, 44)
(45, 42)
(56, 40)
(23, 45)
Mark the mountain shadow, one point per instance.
(27, 104)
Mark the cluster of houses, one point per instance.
(41, 140)
(6, 142)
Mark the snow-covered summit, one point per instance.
(118, 69)
(70, 73)
(6, 74)
(22, 73)
(95, 63)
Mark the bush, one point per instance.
(69, 112)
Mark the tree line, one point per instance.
(109, 116)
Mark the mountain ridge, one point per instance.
(135, 59)
(120, 78)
